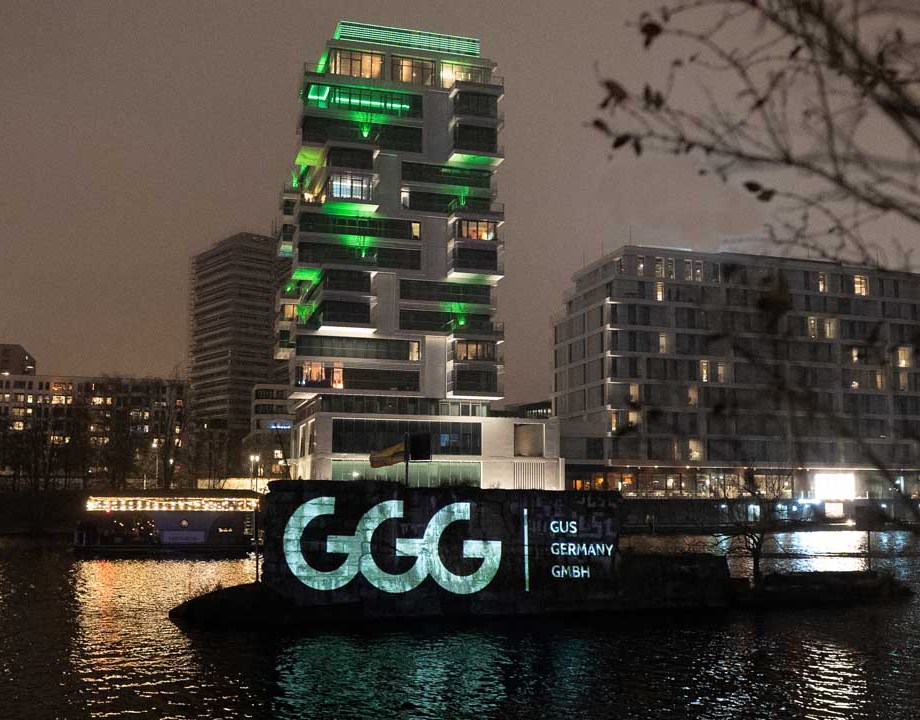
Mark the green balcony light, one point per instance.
(295, 179)
(345, 97)
(341, 208)
(459, 311)
(460, 158)
(400, 37)
(305, 311)
(323, 61)
(366, 129)
(311, 275)
(318, 93)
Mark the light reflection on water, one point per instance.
(90, 639)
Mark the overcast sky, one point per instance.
(135, 134)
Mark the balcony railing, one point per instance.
(462, 382)
(477, 328)
(475, 206)
(475, 261)
(487, 80)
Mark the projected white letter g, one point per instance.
(358, 557)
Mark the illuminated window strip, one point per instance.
(399, 37)
(167, 504)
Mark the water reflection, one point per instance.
(90, 639)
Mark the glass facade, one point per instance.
(366, 435)
(421, 474)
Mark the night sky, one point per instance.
(133, 135)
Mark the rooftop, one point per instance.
(400, 37)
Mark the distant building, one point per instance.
(391, 219)
(666, 364)
(231, 325)
(267, 445)
(75, 428)
(16, 360)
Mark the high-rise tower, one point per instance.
(395, 233)
(232, 286)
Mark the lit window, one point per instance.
(455, 72)
(704, 371)
(822, 282)
(696, 449)
(830, 329)
(338, 381)
(413, 350)
(613, 421)
(404, 198)
(350, 186)
(412, 70)
(416, 231)
(634, 418)
(905, 356)
(663, 343)
(640, 265)
(356, 64)
(693, 396)
(634, 393)
(861, 285)
(879, 380)
(688, 270)
(659, 267)
(902, 380)
(698, 271)
(720, 372)
(812, 327)
(659, 291)
(671, 272)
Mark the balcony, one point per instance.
(475, 208)
(484, 82)
(474, 264)
(477, 329)
(485, 384)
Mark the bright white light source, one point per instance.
(833, 509)
(835, 486)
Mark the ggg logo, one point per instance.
(359, 559)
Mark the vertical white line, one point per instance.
(526, 555)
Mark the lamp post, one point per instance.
(156, 459)
(253, 459)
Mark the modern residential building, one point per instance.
(690, 373)
(231, 324)
(267, 445)
(68, 427)
(16, 360)
(392, 222)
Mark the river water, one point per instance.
(90, 639)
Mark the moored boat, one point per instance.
(207, 522)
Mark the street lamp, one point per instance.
(253, 459)
(156, 459)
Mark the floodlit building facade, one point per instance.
(671, 367)
(395, 233)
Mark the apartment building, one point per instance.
(682, 373)
(82, 426)
(393, 225)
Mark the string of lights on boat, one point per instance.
(168, 504)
